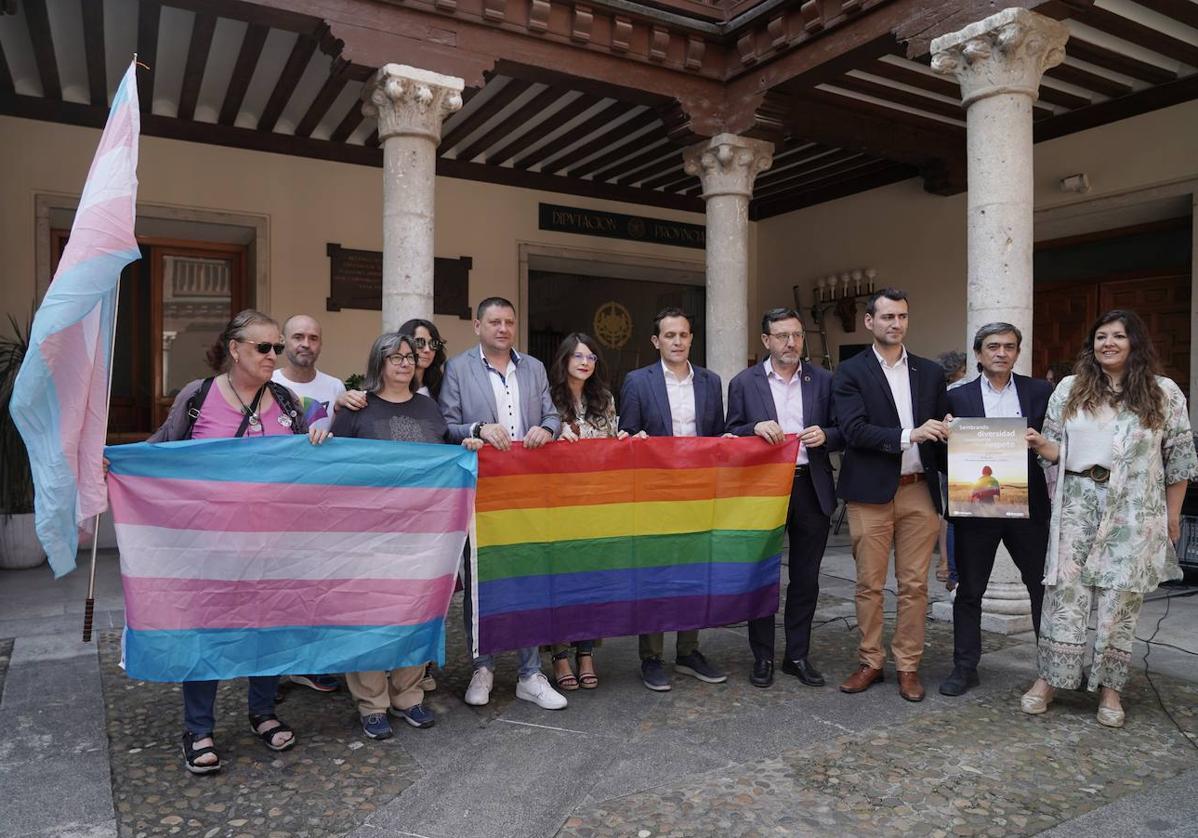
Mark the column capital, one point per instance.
(410, 101)
(727, 164)
(1006, 53)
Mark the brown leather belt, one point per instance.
(908, 479)
(1099, 474)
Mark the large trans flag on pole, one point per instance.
(270, 555)
(603, 538)
(60, 398)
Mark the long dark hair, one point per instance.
(596, 394)
(431, 377)
(1140, 391)
(218, 353)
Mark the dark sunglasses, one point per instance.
(420, 343)
(265, 347)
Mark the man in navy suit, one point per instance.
(998, 391)
(778, 397)
(672, 397)
(890, 406)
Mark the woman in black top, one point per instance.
(396, 413)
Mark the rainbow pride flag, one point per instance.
(269, 555)
(603, 538)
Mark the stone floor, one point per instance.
(86, 751)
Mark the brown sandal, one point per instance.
(587, 680)
(569, 681)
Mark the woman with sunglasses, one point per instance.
(430, 356)
(578, 385)
(393, 412)
(240, 401)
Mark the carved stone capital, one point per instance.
(408, 101)
(1005, 53)
(727, 164)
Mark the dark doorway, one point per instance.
(618, 313)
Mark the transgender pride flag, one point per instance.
(270, 555)
(60, 399)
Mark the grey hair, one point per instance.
(950, 362)
(385, 344)
(997, 328)
(218, 353)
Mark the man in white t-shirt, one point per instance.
(321, 394)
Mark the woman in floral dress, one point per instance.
(578, 385)
(1121, 434)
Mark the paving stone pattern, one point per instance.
(6, 645)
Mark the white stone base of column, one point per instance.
(1006, 607)
(1008, 624)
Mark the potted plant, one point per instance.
(19, 547)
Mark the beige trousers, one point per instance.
(910, 524)
(375, 692)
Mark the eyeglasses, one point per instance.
(590, 359)
(265, 346)
(401, 358)
(434, 343)
(785, 336)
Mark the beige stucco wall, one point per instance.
(306, 203)
(917, 241)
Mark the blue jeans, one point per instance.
(530, 657)
(199, 702)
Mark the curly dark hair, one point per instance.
(596, 394)
(1140, 391)
(436, 371)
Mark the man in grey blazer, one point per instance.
(494, 393)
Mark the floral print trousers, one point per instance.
(1066, 615)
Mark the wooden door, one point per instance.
(1060, 321)
(1163, 302)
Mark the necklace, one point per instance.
(254, 421)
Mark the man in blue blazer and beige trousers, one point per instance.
(672, 397)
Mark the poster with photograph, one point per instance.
(987, 468)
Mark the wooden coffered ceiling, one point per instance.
(595, 98)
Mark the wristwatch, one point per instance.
(476, 430)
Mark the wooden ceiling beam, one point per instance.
(574, 109)
(37, 20)
(901, 97)
(837, 188)
(514, 121)
(323, 100)
(7, 88)
(93, 50)
(349, 123)
(202, 30)
(1183, 11)
(651, 158)
(833, 168)
(819, 155)
(243, 71)
(252, 13)
(604, 141)
(604, 117)
(670, 182)
(1089, 81)
(509, 93)
(148, 14)
(913, 78)
(1117, 62)
(672, 163)
(1149, 99)
(667, 172)
(297, 62)
(1136, 33)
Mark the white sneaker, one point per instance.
(537, 690)
(478, 694)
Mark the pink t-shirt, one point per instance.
(219, 420)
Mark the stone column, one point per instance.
(727, 165)
(999, 62)
(410, 104)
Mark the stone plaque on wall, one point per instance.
(356, 281)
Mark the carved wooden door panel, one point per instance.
(1163, 301)
(1061, 319)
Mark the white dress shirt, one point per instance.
(507, 395)
(788, 403)
(1000, 403)
(899, 379)
(681, 393)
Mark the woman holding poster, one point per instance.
(1121, 434)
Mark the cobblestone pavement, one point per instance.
(6, 645)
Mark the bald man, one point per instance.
(322, 394)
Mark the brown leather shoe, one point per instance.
(909, 686)
(862, 679)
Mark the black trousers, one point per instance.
(976, 543)
(807, 528)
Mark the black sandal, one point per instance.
(268, 736)
(191, 753)
(586, 680)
